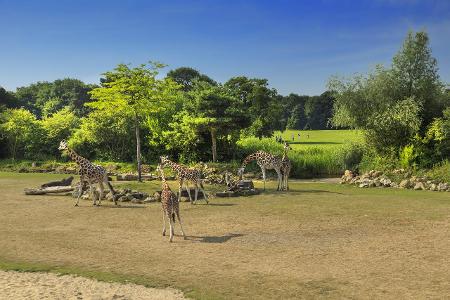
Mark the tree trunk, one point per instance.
(213, 144)
(138, 150)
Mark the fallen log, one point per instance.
(63, 182)
(49, 190)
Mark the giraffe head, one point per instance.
(163, 160)
(158, 168)
(286, 146)
(63, 145)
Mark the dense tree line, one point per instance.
(132, 115)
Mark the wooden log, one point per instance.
(49, 190)
(63, 182)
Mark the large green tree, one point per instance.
(46, 98)
(223, 114)
(187, 77)
(264, 108)
(392, 104)
(135, 92)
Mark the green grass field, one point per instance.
(320, 138)
(317, 241)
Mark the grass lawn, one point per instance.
(320, 240)
(320, 138)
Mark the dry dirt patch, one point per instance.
(37, 285)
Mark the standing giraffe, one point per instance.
(90, 174)
(265, 161)
(185, 175)
(170, 206)
(286, 167)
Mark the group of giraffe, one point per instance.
(94, 174)
(281, 165)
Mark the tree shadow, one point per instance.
(221, 204)
(214, 239)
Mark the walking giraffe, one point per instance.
(265, 161)
(285, 167)
(90, 174)
(170, 206)
(185, 175)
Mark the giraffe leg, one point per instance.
(180, 187)
(80, 193)
(203, 191)
(171, 228)
(179, 221)
(91, 190)
(264, 176)
(196, 192)
(189, 193)
(279, 179)
(102, 189)
(164, 223)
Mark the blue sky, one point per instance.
(297, 45)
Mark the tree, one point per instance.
(187, 77)
(7, 99)
(46, 98)
(264, 107)
(58, 127)
(21, 130)
(217, 111)
(135, 92)
(392, 104)
(416, 75)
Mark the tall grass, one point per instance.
(311, 161)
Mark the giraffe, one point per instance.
(170, 206)
(186, 174)
(90, 174)
(265, 161)
(286, 167)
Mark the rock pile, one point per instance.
(378, 179)
(125, 195)
(242, 188)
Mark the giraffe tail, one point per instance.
(173, 217)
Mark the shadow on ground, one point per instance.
(214, 239)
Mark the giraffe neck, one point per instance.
(75, 157)
(163, 179)
(248, 159)
(174, 166)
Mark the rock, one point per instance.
(419, 186)
(442, 187)
(137, 201)
(377, 174)
(123, 198)
(433, 187)
(227, 194)
(149, 200)
(157, 196)
(405, 184)
(127, 177)
(377, 182)
(365, 184)
(246, 185)
(386, 182)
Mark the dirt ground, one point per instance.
(38, 285)
(320, 240)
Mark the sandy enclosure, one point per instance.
(38, 285)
